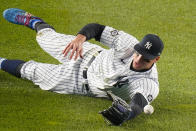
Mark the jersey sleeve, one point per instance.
(147, 87)
(92, 30)
(118, 40)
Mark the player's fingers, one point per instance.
(66, 48)
(81, 51)
(77, 54)
(66, 51)
(73, 52)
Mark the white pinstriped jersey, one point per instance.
(105, 71)
(66, 77)
(114, 64)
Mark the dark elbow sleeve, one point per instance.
(92, 30)
(137, 105)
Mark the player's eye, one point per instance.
(146, 60)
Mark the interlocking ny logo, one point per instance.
(148, 45)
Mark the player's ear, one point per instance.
(157, 58)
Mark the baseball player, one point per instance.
(125, 72)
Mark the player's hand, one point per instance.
(76, 46)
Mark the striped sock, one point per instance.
(33, 22)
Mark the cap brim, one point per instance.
(143, 52)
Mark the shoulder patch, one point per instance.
(114, 33)
(150, 98)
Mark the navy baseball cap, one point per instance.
(150, 47)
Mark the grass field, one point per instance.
(23, 106)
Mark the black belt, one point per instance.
(86, 69)
(85, 73)
(88, 64)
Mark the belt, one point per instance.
(86, 68)
(85, 83)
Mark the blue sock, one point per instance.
(33, 22)
(12, 66)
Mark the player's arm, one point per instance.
(88, 32)
(92, 30)
(120, 111)
(137, 105)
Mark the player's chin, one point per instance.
(137, 67)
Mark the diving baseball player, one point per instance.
(126, 73)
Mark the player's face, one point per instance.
(139, 63)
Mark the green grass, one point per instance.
(23, 106)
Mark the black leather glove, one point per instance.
(118, 113)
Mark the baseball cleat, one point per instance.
(21, 17)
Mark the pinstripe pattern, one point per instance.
(65, 78)
(103, 73)
(115, 62)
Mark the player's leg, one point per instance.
(57, 78)
(52, 42)
(48, 39)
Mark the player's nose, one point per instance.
(138, 58)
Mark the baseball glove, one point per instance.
(118, 113)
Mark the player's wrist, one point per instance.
(81, 37)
